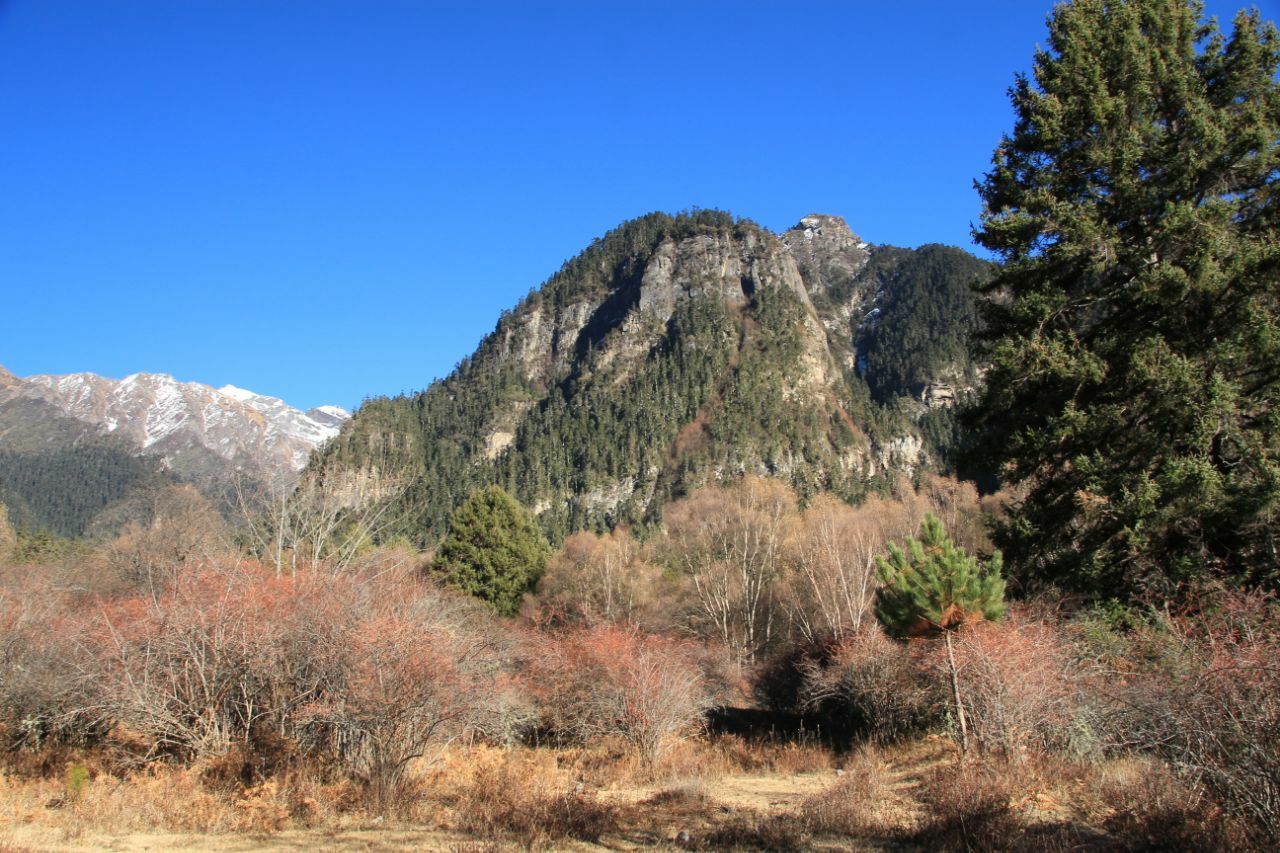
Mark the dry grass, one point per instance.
(863, 802)
(521, 795)
(720, 793)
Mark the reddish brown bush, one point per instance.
(46, 674)
(612, 681)
(1020, 687)
(885, 688)
(1202, 691)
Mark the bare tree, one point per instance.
(325, 520)
(729, 542)
(598, 579)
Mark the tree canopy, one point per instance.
(1134, 330)
(933, 585)
(493, 550)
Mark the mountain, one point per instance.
(72, 445)
(674, 351)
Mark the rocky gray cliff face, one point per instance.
(672, 352)
(828, 254)
(547, 338)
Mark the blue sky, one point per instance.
(327, 201)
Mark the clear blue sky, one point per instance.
(326, 201)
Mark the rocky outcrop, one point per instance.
(828, 253)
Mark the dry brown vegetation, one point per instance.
(175, 690)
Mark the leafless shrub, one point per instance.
(970, 806)
(612, 681)
(1148, 808)
(885, 688)
(1202, 692)
(1021, 688)
(46, 675)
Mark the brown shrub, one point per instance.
(1202, 692)
(884, 688)
(858, 804)
(611, 681)
(969, 807)
(1148, 808)
(46, 674)
(1020, 688)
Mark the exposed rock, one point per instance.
(199, 432)
(827, 252)
(938, 395)
(715, 266)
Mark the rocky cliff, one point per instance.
(671, 352)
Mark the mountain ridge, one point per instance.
(673, 351)
(138, 432)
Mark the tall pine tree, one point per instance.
(1134, 327)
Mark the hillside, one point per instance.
(72, 446)
(678, 350)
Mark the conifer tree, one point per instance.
(493, 550)
(934, 587)
(1134, 326)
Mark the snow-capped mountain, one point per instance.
(196, 429)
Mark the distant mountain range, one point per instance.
(55, 430)
(672, 352)
(680, 350)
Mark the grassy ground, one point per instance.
(708, 795)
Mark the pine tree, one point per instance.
(493, 550)
(1134, 326)
(933, 587)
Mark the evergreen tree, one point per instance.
(493, 550)
(1134, 333)
(935, 587)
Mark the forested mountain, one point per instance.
(72, 446)
(678, 350)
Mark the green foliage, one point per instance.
(927, 312)
(62, 490)
(76, 781)
(935, 586)
(493, 550)
(32, 547)
(1134, 336)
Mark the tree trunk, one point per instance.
(955, 694)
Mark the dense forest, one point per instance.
(64, 489)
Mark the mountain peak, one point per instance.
(188, 424)
(823, 227)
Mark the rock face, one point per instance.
(828, 254)
(674, 351)
(197, 432)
